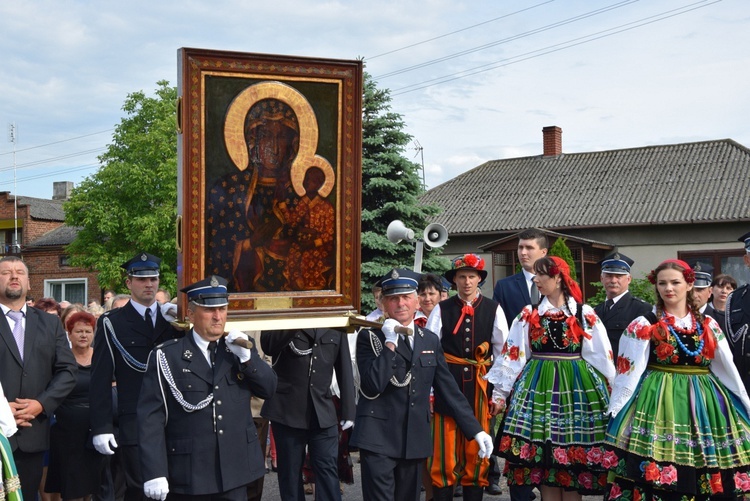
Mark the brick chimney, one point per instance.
(61, 190)
(552, 141)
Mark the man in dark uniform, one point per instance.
(124, 338)
(702, 285)
(302, 411)
(195, 427)
(738, 321)
(621, 307)
(398, 364)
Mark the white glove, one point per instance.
(497, 395)
(345, 425)
(485, 444)
(104, 443)
(242, 353)
(156, 488)
(388, 329)
(169, 311)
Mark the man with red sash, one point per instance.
(472, 329)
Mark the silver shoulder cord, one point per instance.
(163, 369)
(741, 332)
(129, 359)
(377, 348)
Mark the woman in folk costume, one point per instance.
(680, 427)
(10, 487)
(558, 364)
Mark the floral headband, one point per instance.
(470, 261)
(687, 271)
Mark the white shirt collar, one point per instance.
(203, 345)
(142, 309)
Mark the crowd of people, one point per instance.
(626, 400)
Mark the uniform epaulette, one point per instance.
(166, 343)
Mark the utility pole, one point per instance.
(13, 136)
(420, 151)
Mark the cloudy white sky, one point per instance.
(474, 80)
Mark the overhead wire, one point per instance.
(552, 48)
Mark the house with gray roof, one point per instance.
(34, 229)
(689, 200)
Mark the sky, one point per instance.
(473, 80)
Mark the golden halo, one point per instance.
(298, 176)
(234, 124)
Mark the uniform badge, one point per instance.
(616, 257)
(188, 354)
(394, 275)
(144, 257)
(214, 281)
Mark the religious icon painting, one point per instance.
(269, 180)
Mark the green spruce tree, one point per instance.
(561, 250)
(391, 187)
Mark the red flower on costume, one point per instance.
(716, 485)
(637, 495)
(664, 351)
(577, 455)
(742, 481)
(615, 492)
(536, 476)
(518, 476)
(513, 353)
(505, 443)
(591, 318)
(651, 472)
(505, 348)
(609, 460)
(560, 455)
(643, 331)
(594, 455)
(668, 475)
(586, 479)
(563, 478)
(623, 365)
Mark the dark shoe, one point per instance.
(473, 493)
(442, 493)
(458, 492)
(494, 490)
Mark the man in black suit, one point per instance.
(621, 307)
(124, 338)
(737, 321)
(398, 364)
(196, 430)
(302, 412)
(513, 293)
(37, 371)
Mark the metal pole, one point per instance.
(13, 139)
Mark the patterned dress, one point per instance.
(558, 367)
(680, 428)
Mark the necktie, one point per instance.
(17, 316)
(149, 321)
(534, 293)
(212, 352)
(608, 304)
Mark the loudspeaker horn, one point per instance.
(397, 231)
(435, 235)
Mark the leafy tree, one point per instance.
(130, 203)
(390, 189)
(639, 287)
(561, 250)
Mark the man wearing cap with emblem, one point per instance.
(124, 338)
(702, 285)
(621, 307)
(398, 364)
(472, 329)
(302, 412)
(198, 439)
(738, 321)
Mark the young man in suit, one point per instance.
(37, 371)
(398, 365)
(198, 439)
(302, 412)
(514, 292)
(124, 338)
(621, 307)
